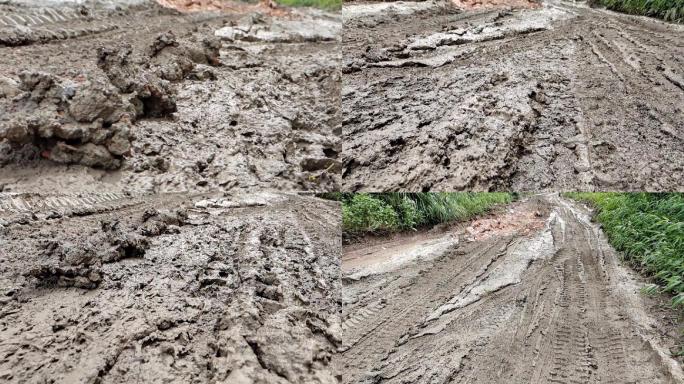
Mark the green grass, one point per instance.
(669, 10)
(331, 5)
(648, 228)
(393, 212)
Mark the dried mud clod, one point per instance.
(89, 120)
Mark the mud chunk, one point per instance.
(127, 73)
(174, 62)
(8, 87)
(16, 131)
(162, 41)
(89, 154)
(51, 110)
(119, 143)
(66, 131)
(202, 72)
(98, 99)
(38, 84)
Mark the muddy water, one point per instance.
(171, 288)
(548, 305)
(554, 98)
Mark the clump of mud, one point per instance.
(89, 120)
(147, 78)
(78, 264)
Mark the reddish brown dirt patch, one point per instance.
(516, 220)
(264, 6)
(479, 4)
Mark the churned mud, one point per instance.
(551, 96)
(108, 288)
(133, 96)
(542, 299)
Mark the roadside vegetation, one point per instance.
(669, 10)
(393, 212)
(330, 5)
(648, 228)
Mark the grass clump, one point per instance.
(669, 10)
(648, 228)
(392, 212)
(331, 5)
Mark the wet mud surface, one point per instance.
(541, 300)
(558, 97)
(143, 98)
(108, 288)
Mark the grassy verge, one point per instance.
(669, 10)
(330, 5)
(648, 229)
(393, 212)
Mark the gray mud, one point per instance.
(558, 98)
(109, 288)
(548, 303)
(143, 98)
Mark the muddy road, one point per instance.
(553, 97)
(143, 98)
(105, 288)
(533, 294)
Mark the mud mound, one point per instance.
(173, 289)
(89, 120)
(85, 122)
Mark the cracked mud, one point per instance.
(107, 288)
(145, 98)
(543, 299)
(558, 97)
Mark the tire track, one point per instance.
(564, 320)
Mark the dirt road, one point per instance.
(531, 295)
(561, 97)
(144, 98)
(104, 288)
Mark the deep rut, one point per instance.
(553, 306)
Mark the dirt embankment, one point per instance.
(561, 97)
(162, 101)
(174, 288)
(543, 299)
